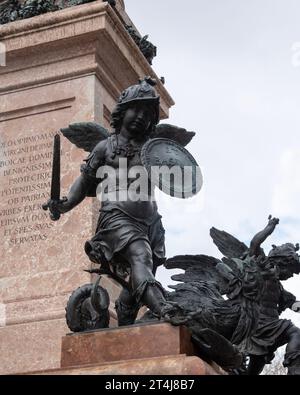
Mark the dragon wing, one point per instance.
(200, 268)
(85, 135)
(228, 244)
(175, 133)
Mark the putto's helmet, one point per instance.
(287, 251)
(142, 92)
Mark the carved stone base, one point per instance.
(119, 344)
(152, 349)
(174, 365)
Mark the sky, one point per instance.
(233, 69)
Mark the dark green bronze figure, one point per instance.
(129, 243)
(249, 318)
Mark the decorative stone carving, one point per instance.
(9, 11)
(147, 48)
(14, 10)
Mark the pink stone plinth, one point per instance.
(133, 342)
(149, 349)
(61, 67)
(171, 365)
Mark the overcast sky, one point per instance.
(233, 69)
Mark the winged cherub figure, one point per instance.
(271, 332)
(249, 318)
(129, 235)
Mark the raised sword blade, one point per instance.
(55, 182)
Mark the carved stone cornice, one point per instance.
(93, 31)
(16, 10)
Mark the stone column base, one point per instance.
(152, 349)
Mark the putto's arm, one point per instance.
(76, 195)
(79, 190)
(258, 239)
(287, 301)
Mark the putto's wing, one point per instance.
(85, 135)
(228, 244)
(199, 268)
(179, 135)
(234, 264)
(185, 262)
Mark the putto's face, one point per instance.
(285, 274)
(137, 118)
(285, 271)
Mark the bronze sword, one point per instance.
(55, 182)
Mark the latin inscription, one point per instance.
(25, 174)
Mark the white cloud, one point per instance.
(287, 190)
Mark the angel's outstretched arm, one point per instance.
(296, 307)
(80, 188)
(260, 237)
(77, 194)
(287, 301)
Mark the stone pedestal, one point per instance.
(62, 67)
(157, 349)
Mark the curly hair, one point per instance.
(288, 261)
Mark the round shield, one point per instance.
(171, 168)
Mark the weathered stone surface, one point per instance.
(170, 365)
(153, 349)
(33, 346)
(141, 341)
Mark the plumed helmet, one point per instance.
(142, 92)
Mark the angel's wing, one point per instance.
(235, 265)
(228, 244)
(200, 268)
(85, 135)
(179, 135)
